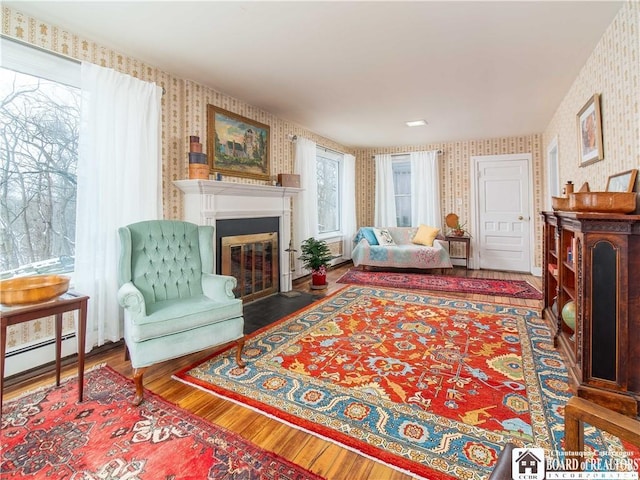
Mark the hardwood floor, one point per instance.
(320, 456)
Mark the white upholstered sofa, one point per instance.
(402, 253)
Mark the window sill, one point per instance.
(331, 237)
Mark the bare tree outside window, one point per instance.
(402, 189)
(328, 194)
(39, 124)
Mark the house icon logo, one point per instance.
(527, 464)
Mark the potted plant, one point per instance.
(316, 257)
(459, 230)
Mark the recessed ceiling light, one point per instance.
(416, 123)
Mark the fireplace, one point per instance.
(210, 202)
(253, 260)
(247, 249)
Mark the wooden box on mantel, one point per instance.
(289, 180)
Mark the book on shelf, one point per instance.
(553, 268)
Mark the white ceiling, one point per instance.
(354, 72)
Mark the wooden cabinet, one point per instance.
(594, 260)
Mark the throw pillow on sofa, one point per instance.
(426, 235)
(384, 237)
(369, 234)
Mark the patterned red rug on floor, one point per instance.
(427, 385)
(442, 283)
(48, 434)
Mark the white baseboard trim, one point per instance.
(26, 359)
(460, 263)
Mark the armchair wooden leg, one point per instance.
(137, 378)
(239, 348)
(126, 354)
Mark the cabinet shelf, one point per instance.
(597, 255)
(567, 346)
(570, 291)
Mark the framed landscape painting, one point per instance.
(236, 145)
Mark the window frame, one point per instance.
(323, 154)
(31, 60)
(27, 59)
(402, 160)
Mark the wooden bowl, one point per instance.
(32, 289)
(603, 202)
(560, 203)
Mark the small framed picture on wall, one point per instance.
(590, 132)
(623, 181)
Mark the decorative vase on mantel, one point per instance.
(198, 163)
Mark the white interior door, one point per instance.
(503, 212)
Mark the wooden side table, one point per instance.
(23, 313)
(467, 246)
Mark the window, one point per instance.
(402, 190)
(40, 119)
(328, 170)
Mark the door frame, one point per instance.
(553, 170)
(474, 260)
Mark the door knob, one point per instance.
(520, 217)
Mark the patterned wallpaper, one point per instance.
(613, 71)
(183, 114)
(183, 105)
(454, 175)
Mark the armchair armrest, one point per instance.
(131, 299)
(579, 411)
(218, 286)
(502, 468)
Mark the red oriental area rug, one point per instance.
(48, 434)
(443, 283)
(430, 386)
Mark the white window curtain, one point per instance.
(348, 198)
(425, 189)
(385, 202)
(119, 182)
(306, 202)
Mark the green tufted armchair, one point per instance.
(174, 304)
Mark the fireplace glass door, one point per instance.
(253, 261)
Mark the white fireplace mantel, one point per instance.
(214, 187)
(206, 201)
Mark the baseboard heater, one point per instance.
(38, 355)
(35, 346)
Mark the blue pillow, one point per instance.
(367, 233)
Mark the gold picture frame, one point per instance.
(622, 182)
(236, 145)
(590, 132)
